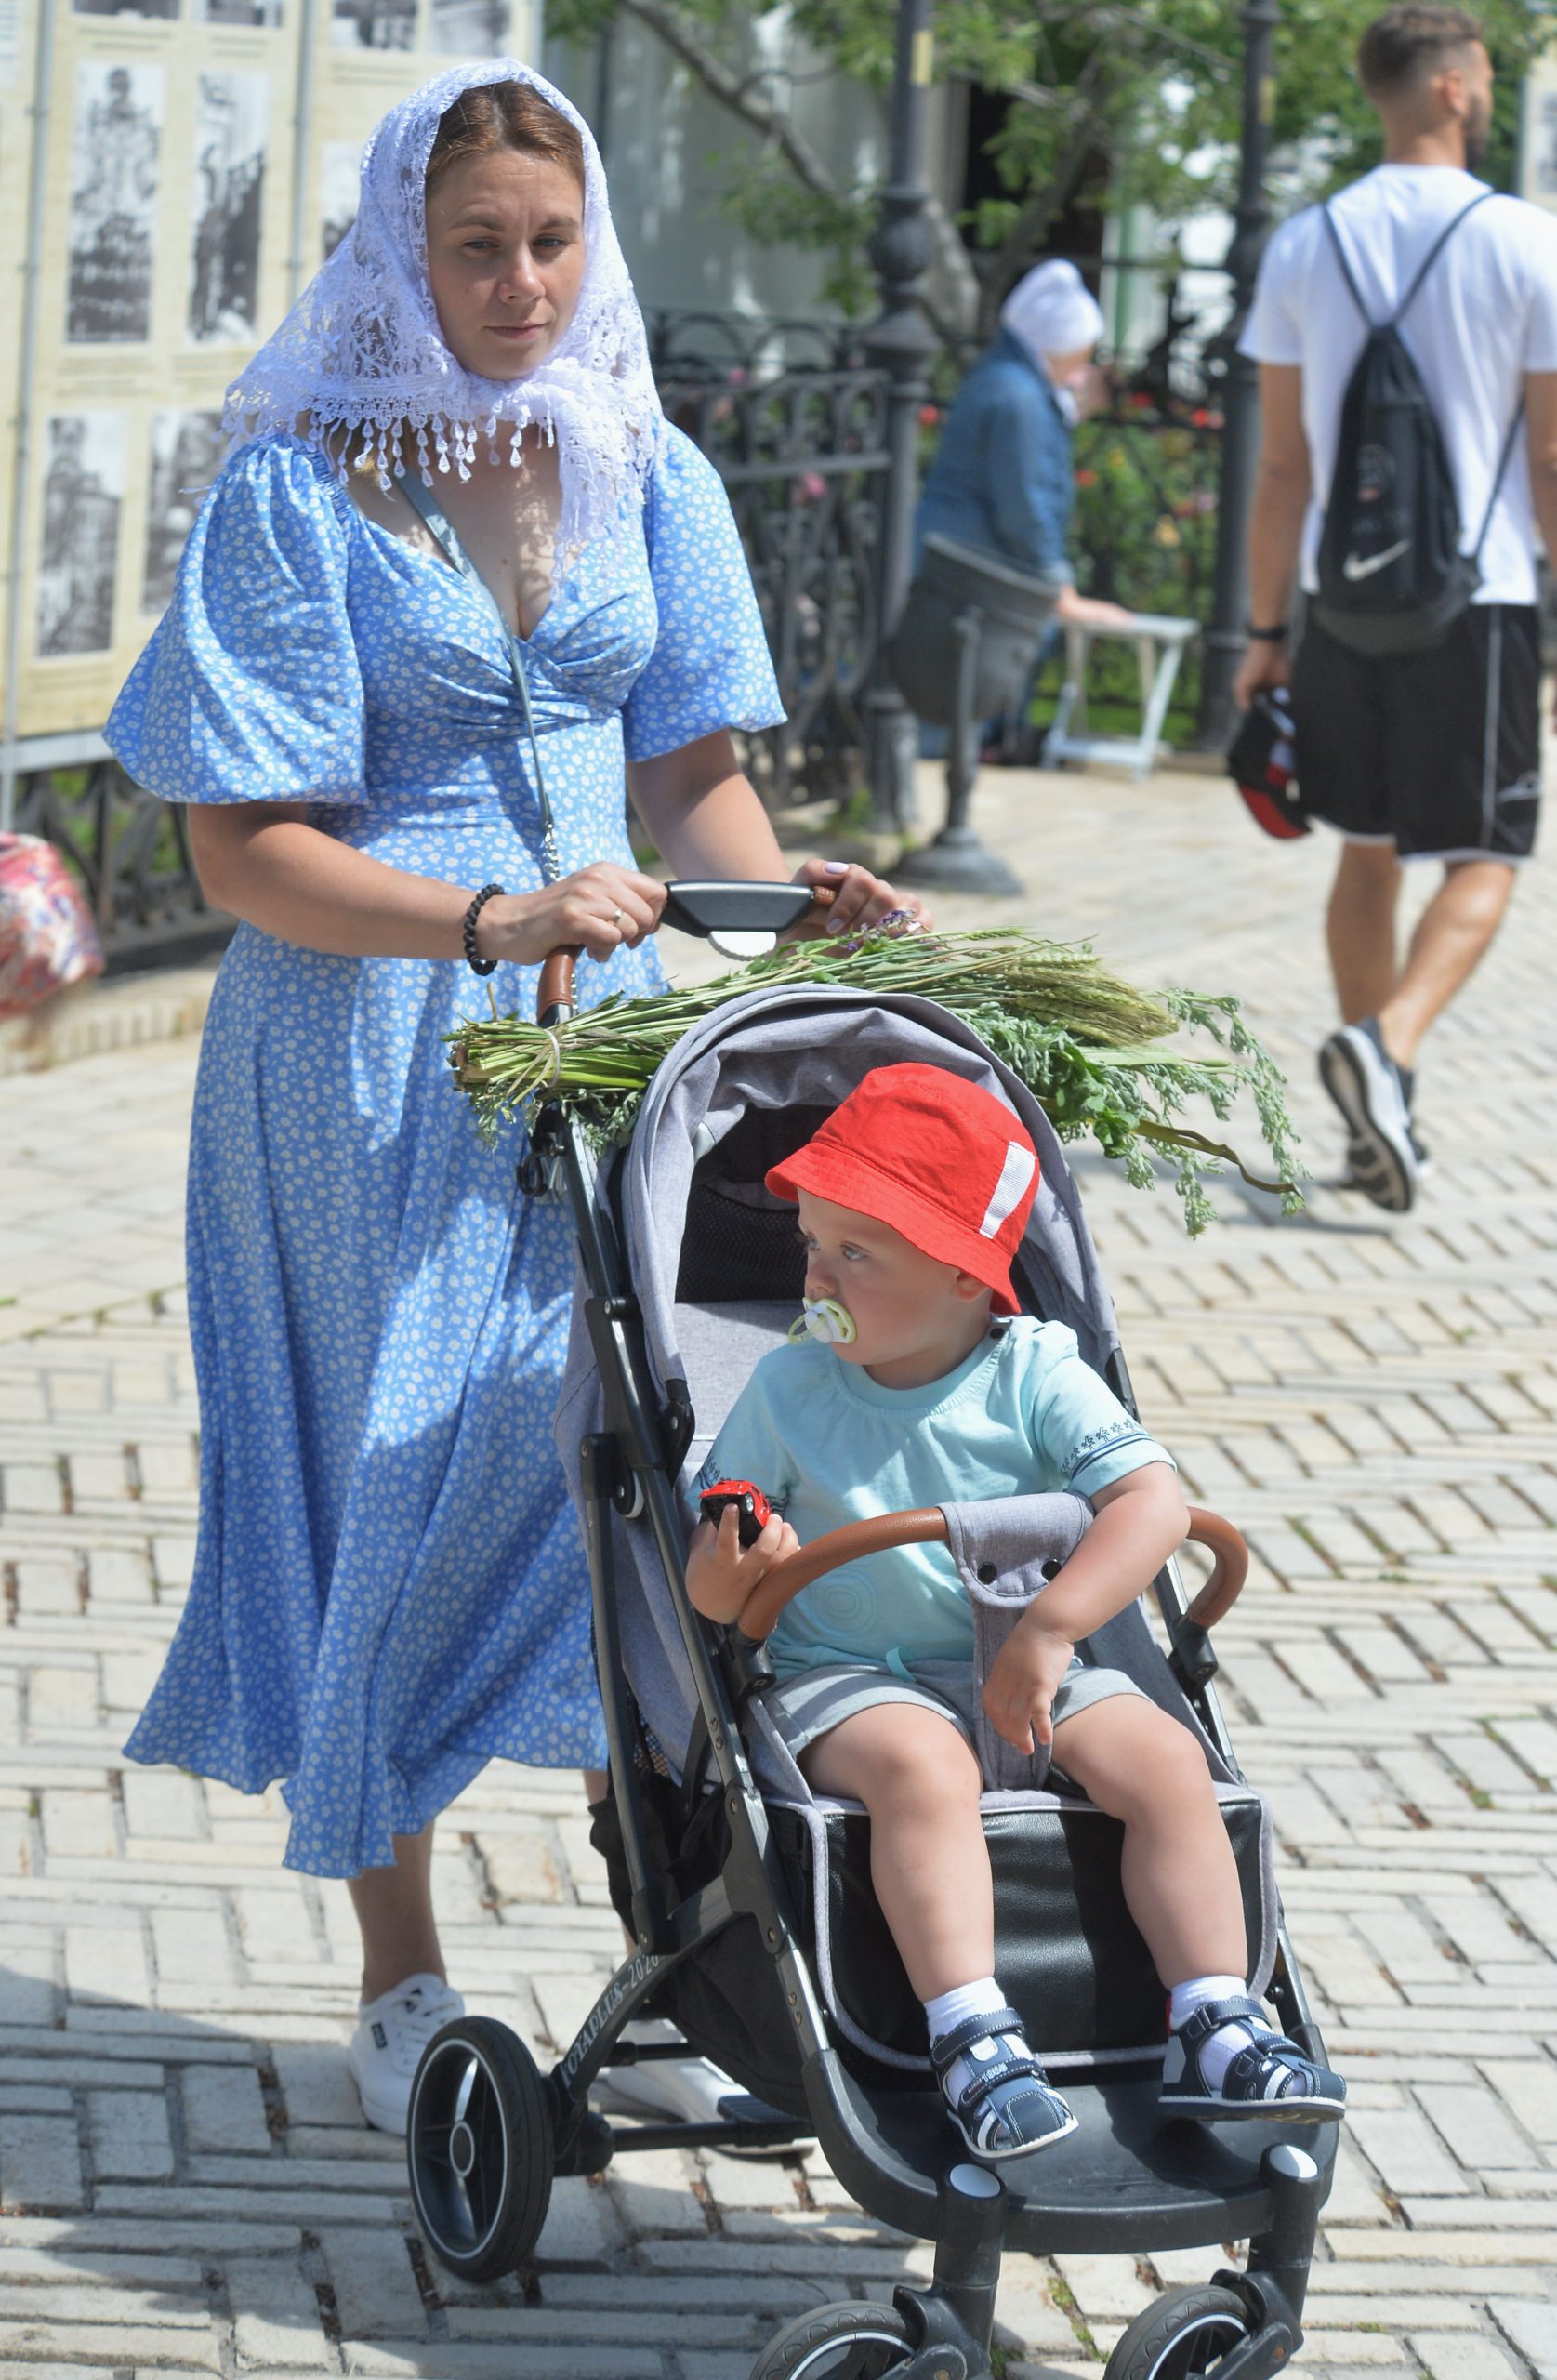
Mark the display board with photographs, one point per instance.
(115, 175)
(471, 27)
(187, 450)
(83, 494)
(372, 24)
(165, 256)
(227, 200)
(266, 13)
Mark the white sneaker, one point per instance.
(385, 2049)
(689, 2090)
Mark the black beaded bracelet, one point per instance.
(478, 966)
(1268, 636)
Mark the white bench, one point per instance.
(1159, 645)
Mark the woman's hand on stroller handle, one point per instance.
(605, 907)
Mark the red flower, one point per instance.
(929, 417)
(1087, 478)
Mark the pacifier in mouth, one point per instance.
(823, 1320)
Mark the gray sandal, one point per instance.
(1269, 2080)
(1009, 2108)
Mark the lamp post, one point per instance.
(1225, 639)
(901, 341)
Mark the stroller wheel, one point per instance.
(478, 2147)
(1186, 2334)
(850, 2341)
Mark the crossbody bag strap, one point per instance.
(426, 506)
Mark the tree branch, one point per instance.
(744, 99)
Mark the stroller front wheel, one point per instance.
(850, 2341)
(1185, 2335)
(479, 2149)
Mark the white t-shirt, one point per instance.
(1484, 316)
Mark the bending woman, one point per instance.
(389, 1584)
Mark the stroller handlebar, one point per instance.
(927, 1526)
(696, 908)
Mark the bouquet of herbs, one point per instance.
(1098, 1056)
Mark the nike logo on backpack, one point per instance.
(1355, 567)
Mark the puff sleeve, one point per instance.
(710, 667)
(250, 688)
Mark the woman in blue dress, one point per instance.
(389, 1587)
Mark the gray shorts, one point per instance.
(814, 1701)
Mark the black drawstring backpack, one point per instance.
(1391, 575)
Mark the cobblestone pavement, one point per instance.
(185, 2183)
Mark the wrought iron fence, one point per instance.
(129, 852)
(803, 458)
(795, 421)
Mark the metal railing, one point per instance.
(795, 421)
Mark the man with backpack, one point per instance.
(1407, 334)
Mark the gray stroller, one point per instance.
(749, 1900)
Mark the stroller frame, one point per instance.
(1210, 2186)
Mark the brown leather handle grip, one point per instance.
(555, 988)
(1229, 1569)
(851, 1543)
(927, 1526)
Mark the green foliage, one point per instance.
(1119, 102)
(1101, 1058)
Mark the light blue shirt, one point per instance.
(826, 1444)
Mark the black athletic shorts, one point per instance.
(1436, 752)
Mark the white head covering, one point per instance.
(1052, 312)
(362, 349)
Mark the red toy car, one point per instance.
(749, 1501)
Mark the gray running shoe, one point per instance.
(1359, 1160)
(1366, 1084)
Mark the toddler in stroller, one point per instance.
(748, 1889)
(915, 1375)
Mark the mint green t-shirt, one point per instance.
(826, 1444)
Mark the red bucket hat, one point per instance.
(938, 1159)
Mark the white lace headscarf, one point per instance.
(362, 352)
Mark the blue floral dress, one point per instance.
(390, 1585)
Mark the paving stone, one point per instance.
(224, 2108)
(376, 2289)
(130, 2139)
(275, 2315)
(40, 2164)
(1529, 2324)
(1450, 2355)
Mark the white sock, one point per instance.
(983, 1997)
(1219, 2049)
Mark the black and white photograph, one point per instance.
(340, 177)
(154, 9)
(374, 24)
(231, 119)
(114, 177)
(471, 27)
(83, 489)
(186, 447)
(265, 14)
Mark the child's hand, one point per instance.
(1022, 1682)
(722, 1573)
